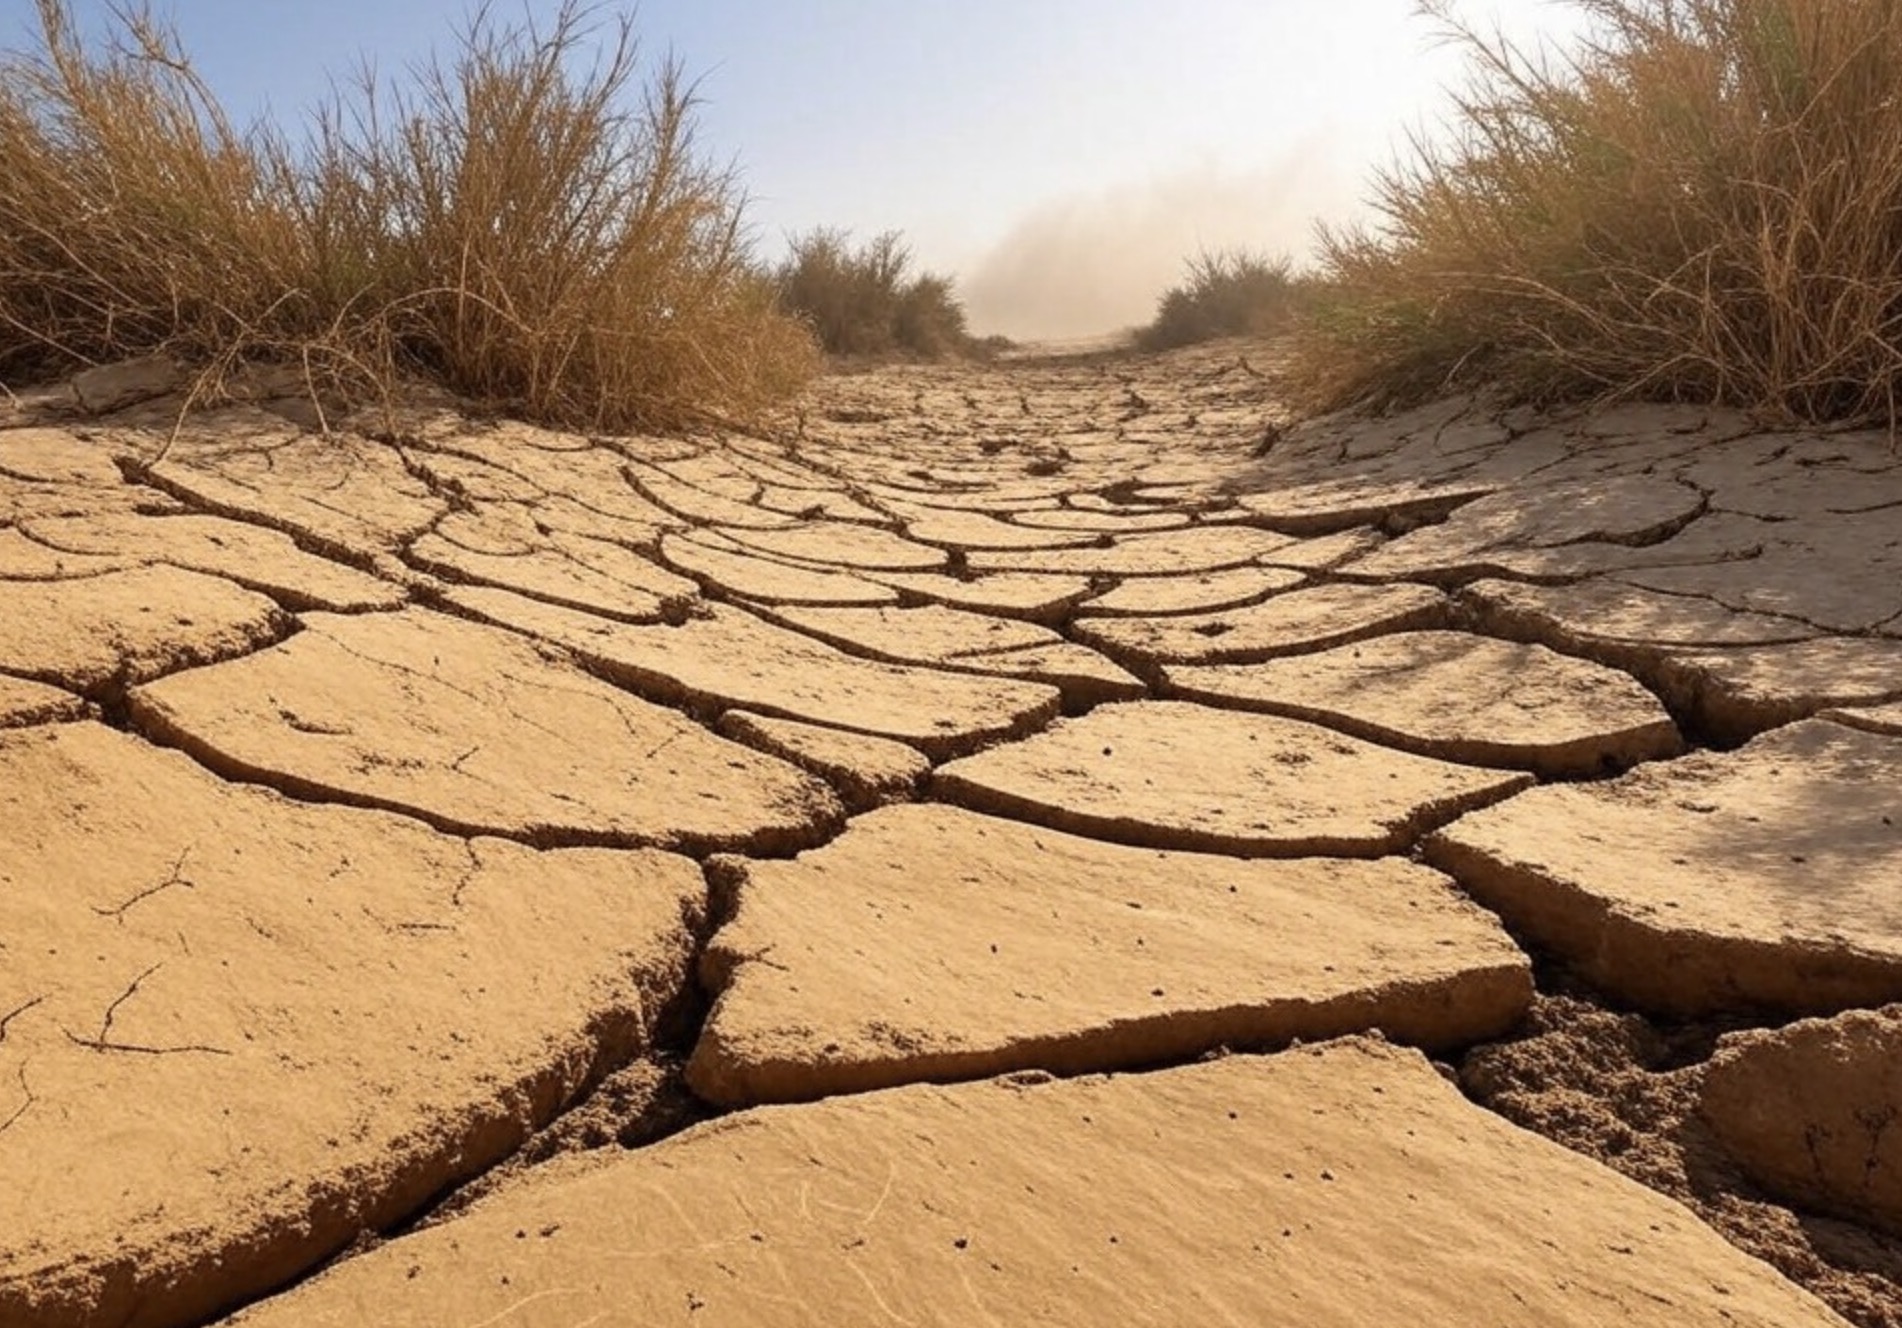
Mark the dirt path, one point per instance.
(1039, 843)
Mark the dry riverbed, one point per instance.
(1030, 843)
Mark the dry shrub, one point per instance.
(1703, 202)
(528, 235)
(132, 216)
(861, 301)
(1225, 294)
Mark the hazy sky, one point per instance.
(1060, 157)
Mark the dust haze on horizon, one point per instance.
(1099, 262)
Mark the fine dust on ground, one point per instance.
(1625, 1090)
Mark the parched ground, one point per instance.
(1046, 843)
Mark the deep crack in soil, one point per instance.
(1624, 1089)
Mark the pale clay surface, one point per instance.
(1810, 1111)
(1761, 877)
(917, 946)
(1455, 696)
(1041, 717)
(1171, 774)
(1332, 1188)
(242, 1022)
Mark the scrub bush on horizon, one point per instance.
(864, 301)
(1226, 293)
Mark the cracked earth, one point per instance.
(1052, 842)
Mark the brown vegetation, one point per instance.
(538, 240)
(863, 301)
(1700, 202)
(1227, 294)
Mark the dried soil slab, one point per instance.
(624, 566)
(813, 499)
(1324, 507)
(842, 544)
(1294, 623)
(264, 560)
(343, 492)
(587, 482)
(1164, 553)
(1735, 694)
(1841, 572)
(1626, 509)
(126, 627)
(1634, 510)
(1169, 774)
(1457, 697)
(1608, 611)
(576, 571)
(501, 530)
(24, 703)
(1000, 490)
(728, 567)
(866, 772)
(1331, 1187)
(712, 469)
(1195, 495)
(946, 638)
(474, 731)
(526, 449)
(1100, 522)
(1325, 552)
(699, 506)
(1735, 674)
(622, 517)
(1084, 677)
(950, 489)
(1026, 595)
(1801, 476)
(1155, 596)
(775, 463)
(1367, 437)
(470, 477)
(931, 634)
(933, 944)
(729, 658)
(57, 456)
(245, 1029)
(1651, 423)
(22, 501)
(1809, 1111)
(776, 466)
(977, 530)
(1876, 719)
(1716, 537)
(1764, 877)
(25, 559)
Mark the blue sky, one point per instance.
(1059, 157)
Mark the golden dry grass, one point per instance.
(864, 300)
(1226, 293)
(541, 240)
(1701, 202)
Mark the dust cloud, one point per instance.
(1097, 263)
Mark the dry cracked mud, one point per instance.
(998, 844)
